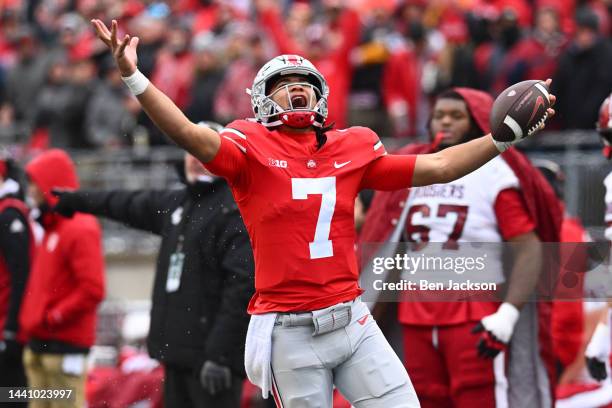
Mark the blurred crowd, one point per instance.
(384, 60)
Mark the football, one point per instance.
(519, 111)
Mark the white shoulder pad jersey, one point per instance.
(468, 201)
(462, 211)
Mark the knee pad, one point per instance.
(374, 376)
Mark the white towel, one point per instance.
(258, 351)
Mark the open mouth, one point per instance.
(299, 101)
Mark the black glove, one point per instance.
(488, 346)
(597, 368)
(10, 350)
(68, 202)
(215, 378)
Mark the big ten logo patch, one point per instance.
(277, 163)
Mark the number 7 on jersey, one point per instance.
(321, 247)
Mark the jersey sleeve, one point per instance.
(391, 172)
(513, 219)
(498, 176)
(230, 161)
(384, 172)
(373, 140)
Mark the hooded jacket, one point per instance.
(66, 282)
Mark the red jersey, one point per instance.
(297, 203)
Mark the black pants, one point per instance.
(182, 389)
(12, 374)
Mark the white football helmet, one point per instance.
(269, 113)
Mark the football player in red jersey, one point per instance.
(455, 350)
(295, 182)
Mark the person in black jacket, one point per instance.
(203, 281)
(16, 245)
(583, 78)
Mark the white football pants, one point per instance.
(357, 359)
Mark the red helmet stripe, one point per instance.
(293, 60)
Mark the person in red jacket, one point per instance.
(16, 245)
(65, 287)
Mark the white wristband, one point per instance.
(502, 146)
(137, 82)
(509, 313)
(501, 323)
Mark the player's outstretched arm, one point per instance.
(202, 142)
(457, 161)
(453, 162)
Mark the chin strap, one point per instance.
(298, 119)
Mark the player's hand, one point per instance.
(597, 352)
(553, 99)
(67, 204)
(496, 330)
(215, 377)
(124, 51)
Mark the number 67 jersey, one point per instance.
(297, 203)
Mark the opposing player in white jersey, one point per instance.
(450, 365)
(295, 180)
